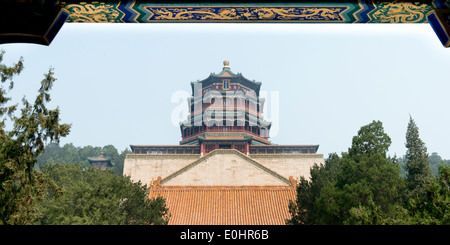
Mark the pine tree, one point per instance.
(20, 144)
(418, 170)
(363, 186)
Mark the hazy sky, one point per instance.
(120, 83)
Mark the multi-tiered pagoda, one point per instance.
(225, 113)
(224, 162)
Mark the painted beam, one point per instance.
(356, 11)
(38, 21)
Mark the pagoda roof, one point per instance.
(227, 73)
(226, 205)
(100, 158)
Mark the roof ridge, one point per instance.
(222, 187)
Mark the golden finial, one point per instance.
(226, 65)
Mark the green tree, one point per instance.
(435, 163)
(432, 207)
(401, 162)
(369, 187)
(53, 153)
(303, 210)
(118, 167)
(98, 197)
(110, 151)
(418, 171)
(362, 187)
(21, 187)
(85, 152)
(50, 151)
(116, 158)
(371, 140)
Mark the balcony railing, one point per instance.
(223, 129)
(250, 110)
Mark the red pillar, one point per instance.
(248, 148)
(202, 149)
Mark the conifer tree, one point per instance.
(418, 170)
(361, 187)
(21, 187)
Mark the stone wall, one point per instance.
(294, 165)
(146, 167)
(220, 169)
(225, 169)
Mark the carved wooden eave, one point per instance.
(48, 16)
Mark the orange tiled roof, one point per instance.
(226, 205)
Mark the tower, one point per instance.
(224, 163)
(225, 112)
(100, 162)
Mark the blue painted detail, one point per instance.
(56, 26)
(312, 14)
(225, 84)
(438, 29)
(362, 15)
(127, 8)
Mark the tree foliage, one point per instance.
(69, 153)
(369, 186)
(432, 206)
(20, 187)
(371, 140)
(91, 196)
(365, 187)
(308, 191)
(436, 162)
(361, 187)
(62, 194)
(416, 159)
